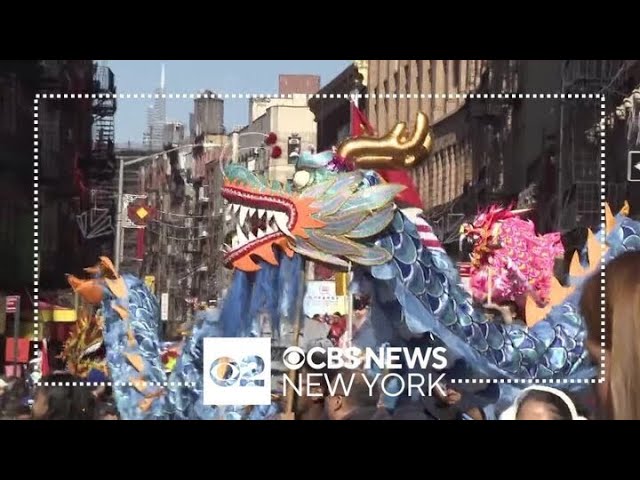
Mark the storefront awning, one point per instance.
(56, 313)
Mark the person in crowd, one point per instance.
(452, 404)
(107, 411)
(58, 399)
(14, 402)
(350, 397)
(310, 404)
(4, 385)
(540, 402)
(619, 394)
(507, 312)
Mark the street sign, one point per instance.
(13, 302)
(13, 306)
(164, 307)
(633, 168)
(140, 213)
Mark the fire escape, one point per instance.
(102, 170)
(492, 129)
(579, 178)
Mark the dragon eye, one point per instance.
(301, 179)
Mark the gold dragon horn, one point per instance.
(397, 149)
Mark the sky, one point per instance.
(192, 76)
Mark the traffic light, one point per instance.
(293, 149)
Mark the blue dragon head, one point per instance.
(328, 212)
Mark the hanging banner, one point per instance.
(164, 307)
(321, 298)
(135, 211)
(12, 303)
(465, 275)
(150, 282)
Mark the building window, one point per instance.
(396, 87)
(385, 86)
(407, 79)
(376, 103)
(456, 74)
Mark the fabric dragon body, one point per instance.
(510, 258)
(84, 341)
(346, 219)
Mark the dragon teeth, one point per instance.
(242, 239)
(242, 216)
(251, 237)
(282, 220)
(269, 230)
(251, 212)
(235, 243)
(260, 213)
(236, 207)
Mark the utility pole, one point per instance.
(117, 243)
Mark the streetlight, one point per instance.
(117, 246)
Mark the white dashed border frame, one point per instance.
(346, 96)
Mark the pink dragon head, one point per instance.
(509, 261)
(482, 235)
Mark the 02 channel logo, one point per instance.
(237, 371)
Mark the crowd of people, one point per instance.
(618, 396)
(55, 399)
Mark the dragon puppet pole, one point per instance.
(349, 299)
(489, 285)
(288, 414)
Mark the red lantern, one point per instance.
(270, 139)
(276, 152)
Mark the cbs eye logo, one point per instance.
(227, 372)
(293, 358)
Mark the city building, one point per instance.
(541, 153)
(624, 137)
(19, 81)
(174, 239)
(74, 146)
(398, 90)
(208, 118)
(66, 174)
(579, 177)
(294, 124)
(154, 137)
(333, 114)
(482, 152)
(179, 249)
(174, 133)
(290, 84)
